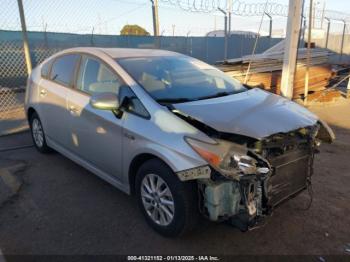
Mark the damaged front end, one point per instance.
(247, 178)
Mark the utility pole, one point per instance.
(308, 54)
(25, 37)
(291, 47)
(155, 17)
(270, 25)
(226, 43)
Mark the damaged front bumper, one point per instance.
(243, 202)
(247, 201)
(284, 166)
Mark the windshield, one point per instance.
(177, 79)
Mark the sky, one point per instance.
(109, 16)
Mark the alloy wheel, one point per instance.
(38, 133)
(157, 199)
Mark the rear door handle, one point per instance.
(73, 110)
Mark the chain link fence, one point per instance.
(333, 35)
(56, 25)
(12, 78)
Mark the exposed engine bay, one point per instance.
(253, 175)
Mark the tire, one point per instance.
(38, 134)
(183, 194)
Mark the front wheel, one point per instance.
(169, 205)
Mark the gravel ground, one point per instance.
(64, 209)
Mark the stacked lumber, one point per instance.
(327, 96)
(319, 78)
(266, 70)
(269, 62)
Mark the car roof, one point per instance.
(124, 52)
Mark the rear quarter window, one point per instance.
(45, 69)
(63, 67)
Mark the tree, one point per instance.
(133, 30)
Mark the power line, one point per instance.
(121, 15)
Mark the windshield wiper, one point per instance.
(173, 100)
(220, 94)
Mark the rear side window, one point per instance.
(45, 70)
(63, 69)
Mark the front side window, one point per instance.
(96, 77)
(179, 79)
(63, 69)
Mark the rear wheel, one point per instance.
(169, 205)
(38, 134)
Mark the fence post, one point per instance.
(270, 24)
(226, 42)
(25, 37)
(229, 16)
(348, 89)
(342, 41)
(303, 26)
(206, 49)
(92, 36)
(45, 36)
(188, 44)
(328, 29)
(308, 53)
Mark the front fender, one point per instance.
(325, 133)
(177, 161)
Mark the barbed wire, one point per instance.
(236, 7)
(92, 17)
(242, 8)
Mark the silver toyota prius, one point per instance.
(179, 134)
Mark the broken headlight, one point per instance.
(227, 158)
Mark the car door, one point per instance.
(95, 135)
(52, 98)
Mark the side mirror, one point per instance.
(105, 101)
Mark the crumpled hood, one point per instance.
(254, 113)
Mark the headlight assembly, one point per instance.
(227, 158)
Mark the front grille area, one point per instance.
(290, 173)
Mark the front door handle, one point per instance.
(43, 92)
(129, 136)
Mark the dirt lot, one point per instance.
(63, 209)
